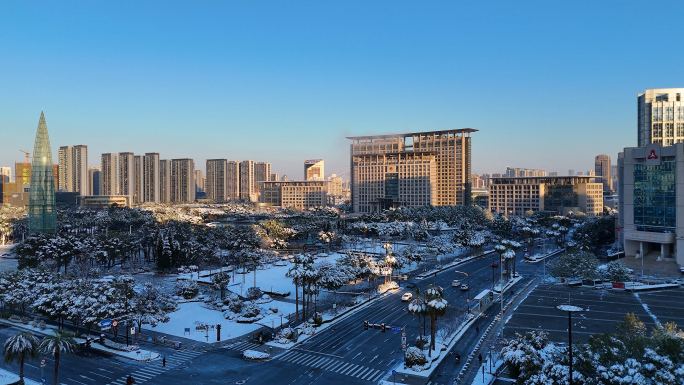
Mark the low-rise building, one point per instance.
(296, 194)
(560, 194)
(101, 202)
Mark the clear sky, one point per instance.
(549, 84)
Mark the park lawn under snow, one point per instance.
(191, 312)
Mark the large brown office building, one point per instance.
(411, 169)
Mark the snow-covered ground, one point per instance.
(189, 313)
(7, 377)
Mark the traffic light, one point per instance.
(88, 341)
(365, 325)
(382, 327)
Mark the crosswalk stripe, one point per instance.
(308, 360)
(150, 370)
(318, 361)
(344, 367)
(286, 356)
(362, 372)
(328, 364)
(336, 365)
(369, 374)
(353, 373)
(294, 357)
(352, 367)
(378, 376)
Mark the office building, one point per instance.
(103, 202)
(562, 195)
(314, 169)
(217, 178)
(660, 116)
(299, 195)
(233, 180)
(334, 185)
(110, 174)
(603, 172)
(42, 212)
(182, 180)
(151, 177)
(165, 180)
(411, 169)
(247, 185)
(94, 180)
(127, 174)
(650, 196)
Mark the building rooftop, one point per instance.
(439, 132)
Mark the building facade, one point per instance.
(182, 180)
(42, 212)
(110, 174)
(102, 202)
(138, 179)
(94, 180)
(217, 178)
(660, 116)
(522, 172)
(314, 169)
(412, 169)
(126, 174)
(199, 181)
(299, 195)
(650, 195)
(165, 180)
(563, 194)
(151, 178)
(602, 172)
(233, 180)
(73, 169)
(247, 185)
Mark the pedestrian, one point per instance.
(163, 362)
(130, 380)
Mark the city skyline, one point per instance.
(203, 82)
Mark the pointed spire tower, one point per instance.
(42, 215)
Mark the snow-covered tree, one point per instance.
(20, 347)
(55, 345)
(435, 307)
(149, 306)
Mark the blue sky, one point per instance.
(549, 84)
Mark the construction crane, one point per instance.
(27, 156)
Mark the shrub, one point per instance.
(186, 289)
(253, 293)
(318, 319)
(415, 357)
(251, 310)
(421, 342)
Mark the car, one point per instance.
(406, 297)
(455, 283)
(464, 287)
(411, 285)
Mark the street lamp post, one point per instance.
(570, 309)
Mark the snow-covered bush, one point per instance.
(253, 293)
(307, 328)
(614, 272)
(388, 286)
(615, 249)
(415, 358)
(421, 342)
(233, 302)
(285, 336)
(318, 319)
(273, 309)
(186, 289)
(264, 299)
(251, 313)
(253, 355)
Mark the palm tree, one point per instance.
(21, 347)
(56, 344)
(435, 307)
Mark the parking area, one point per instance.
(602, 310)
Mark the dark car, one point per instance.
(411, 285)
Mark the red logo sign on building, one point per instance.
(652, 155)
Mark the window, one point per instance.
(669, 130)
(669, 113)
(657, 114)
(680, 112)
(657, 130)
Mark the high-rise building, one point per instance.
(127, 174)
(110, 174)
(602, 171)
(571, 172)
(284, 178)
(233, 180)
(165, 180)
(94, 180)
(22, 172)
(275, 177)
(591, 173)
(660, 116)
(412, 169)
(6, 172)
(73, 169)
(152, 175)
(199, 181)
(523, 172)
(314, 169)
(42, 213)
(217, 178)
(334, 185)
(262, 173)
(247, 185)
(182, 180)
(613, 176)
(139, 179)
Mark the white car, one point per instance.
(406, 297)
(455, 283)
(464, 287)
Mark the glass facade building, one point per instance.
(655, 197)
(42, 215)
